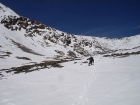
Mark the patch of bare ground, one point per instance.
(60, 52)
(136, 47)
(85, 62)
(71, 54)
(121, 55)
(25, 49)
(4, 54)
(35, 66)
(24, 58)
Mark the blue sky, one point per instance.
(101, 18)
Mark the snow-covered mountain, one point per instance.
(23, 40)
(27, 45)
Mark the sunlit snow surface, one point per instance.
(108, 82)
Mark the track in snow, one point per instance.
(81, 99)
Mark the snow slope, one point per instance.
(108, 82)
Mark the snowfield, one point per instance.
(110, 81)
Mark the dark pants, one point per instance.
(90, 63)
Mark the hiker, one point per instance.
(91, 60)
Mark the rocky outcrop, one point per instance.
(122, 54)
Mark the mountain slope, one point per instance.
(21, 37)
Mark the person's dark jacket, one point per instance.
(91, 59)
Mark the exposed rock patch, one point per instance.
(122, 54)
(24, 58)
(34, 67)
